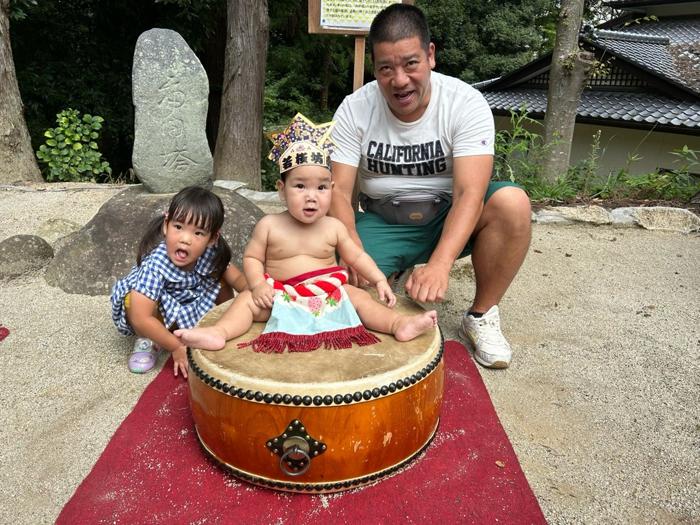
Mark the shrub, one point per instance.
(70, 152)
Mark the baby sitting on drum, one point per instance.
(290, 263)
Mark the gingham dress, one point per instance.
(183, 297)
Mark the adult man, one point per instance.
(413, 132)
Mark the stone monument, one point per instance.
(171, 97)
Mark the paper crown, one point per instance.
(303, 143)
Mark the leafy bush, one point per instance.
(70, 152)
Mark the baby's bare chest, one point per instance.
(286, 244)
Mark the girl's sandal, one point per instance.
(144, 356)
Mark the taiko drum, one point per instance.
(319, 421)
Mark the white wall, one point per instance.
(617, 143)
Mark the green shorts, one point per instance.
(396, 247)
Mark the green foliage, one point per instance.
(677, 184)
(517, 158)
(19, 9)
(616, 184)
(587, 170)
(481, 39)
(305, 73)
(70, 151)
(687, 158)
(517, 148)
(665, 185)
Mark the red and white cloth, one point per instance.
(310, 311)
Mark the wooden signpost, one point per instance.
(343, 17)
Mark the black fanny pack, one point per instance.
(417, 208)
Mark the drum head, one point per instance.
(321, 371)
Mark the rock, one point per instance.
(265, 197)
(170, 94)
(230, 184)
(105, 248)
(267, 201)
(666, 218)
(550, 216)
(23, 254)
(54, 229)
(624, 216)
(588, 214)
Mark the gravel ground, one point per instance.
(601, 401)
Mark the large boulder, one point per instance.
(171, 96)
(92, 259)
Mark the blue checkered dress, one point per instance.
(183, 297)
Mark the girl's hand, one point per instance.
(180, 361)
(386, 295)
(263, 295)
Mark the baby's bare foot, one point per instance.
(209, 338)
(410, 327)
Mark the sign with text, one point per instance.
(345, 16)
(340, 14)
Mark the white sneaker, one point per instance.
(484, 333)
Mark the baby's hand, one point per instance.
(386, 295)
(263, 295)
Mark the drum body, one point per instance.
(319, 421)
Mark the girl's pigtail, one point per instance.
(222, 256)
(151, 238)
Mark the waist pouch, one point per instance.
(418, 208)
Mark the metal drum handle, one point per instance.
(296, 448)
(304, 462)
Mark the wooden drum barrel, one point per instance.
(319, 421)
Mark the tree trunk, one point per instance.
(326, 76)
(214, 62)
(238, 143)
(568, 76)
(17, 160)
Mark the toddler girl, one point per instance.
(182, 270)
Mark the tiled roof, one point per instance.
(652, 79)
(674, 56)
(643, 109)
(650, 56)
(677, 30)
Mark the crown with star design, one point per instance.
(303, 143)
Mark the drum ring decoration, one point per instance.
(338, 399)
(296, 448)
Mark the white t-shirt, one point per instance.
(394, 156)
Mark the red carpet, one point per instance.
(153, 471)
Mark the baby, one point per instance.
(291, 268)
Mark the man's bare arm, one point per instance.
(470, 181)
(344, 177)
